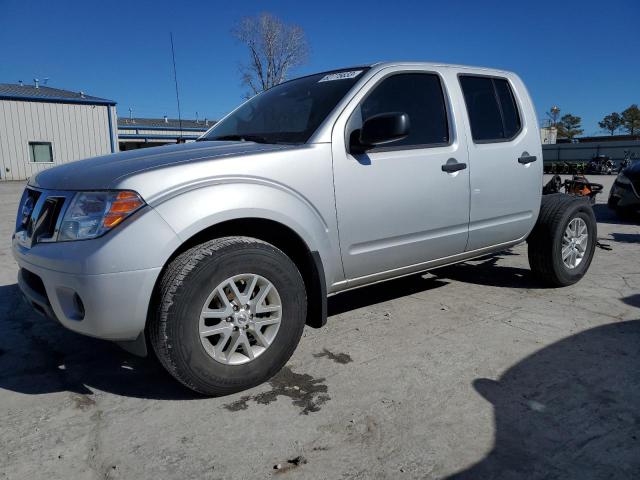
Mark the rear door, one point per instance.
(505, 157)
(396, 206)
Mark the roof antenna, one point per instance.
(175, 79)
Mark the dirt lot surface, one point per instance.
(473, 371)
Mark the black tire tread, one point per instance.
(540, 241)
(173, 278)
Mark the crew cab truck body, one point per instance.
(218, 252)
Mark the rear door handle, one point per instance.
(453, 167)
(526, 158)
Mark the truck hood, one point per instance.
(108, 171)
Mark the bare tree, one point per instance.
(274, 48)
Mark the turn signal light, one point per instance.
(122, 206)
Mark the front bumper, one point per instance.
(100, 287)
(111, 306)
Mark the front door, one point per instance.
(397, 207)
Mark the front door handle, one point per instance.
(454, 166)
(526, 158)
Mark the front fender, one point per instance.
(197, 209)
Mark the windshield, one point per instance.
(287, 113)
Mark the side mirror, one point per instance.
(379, 130)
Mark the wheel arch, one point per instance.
(283, 237)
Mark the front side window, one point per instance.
(41, 152)
(492, 108)
(287, 113)
(421, 97)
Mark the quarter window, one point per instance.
(492, 108)
(420, 96)
(41, 152)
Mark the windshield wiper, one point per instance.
(244, 138)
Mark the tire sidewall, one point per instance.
(566, 274)
(184, 315)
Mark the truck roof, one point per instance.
(399, 63)
(381, 65)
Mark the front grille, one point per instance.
(45, 225)
(39, 215)
(34, 282)
(27, 204)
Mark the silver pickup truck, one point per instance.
(217, 253)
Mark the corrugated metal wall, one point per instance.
(76, 131)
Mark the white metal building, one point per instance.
(548, 135)
(150, 132)
(42, 126)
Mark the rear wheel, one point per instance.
(562, 244)
(230, 314)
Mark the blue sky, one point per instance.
(582, 55)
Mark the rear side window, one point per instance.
(420, 96)
(492, 108)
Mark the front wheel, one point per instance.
(230, 314)
(562, 244)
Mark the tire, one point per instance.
(185, 289)
(545, 241)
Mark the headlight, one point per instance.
(623, 179)
(92, 214)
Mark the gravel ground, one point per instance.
(472, 371)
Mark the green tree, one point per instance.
(611, 122)
(569, 126)
(631, 119)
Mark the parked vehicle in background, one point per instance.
(571, 168)
(217, 252)
(627, 160)
(624, 197)
(600, 165)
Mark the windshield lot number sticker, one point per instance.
(340, 76)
